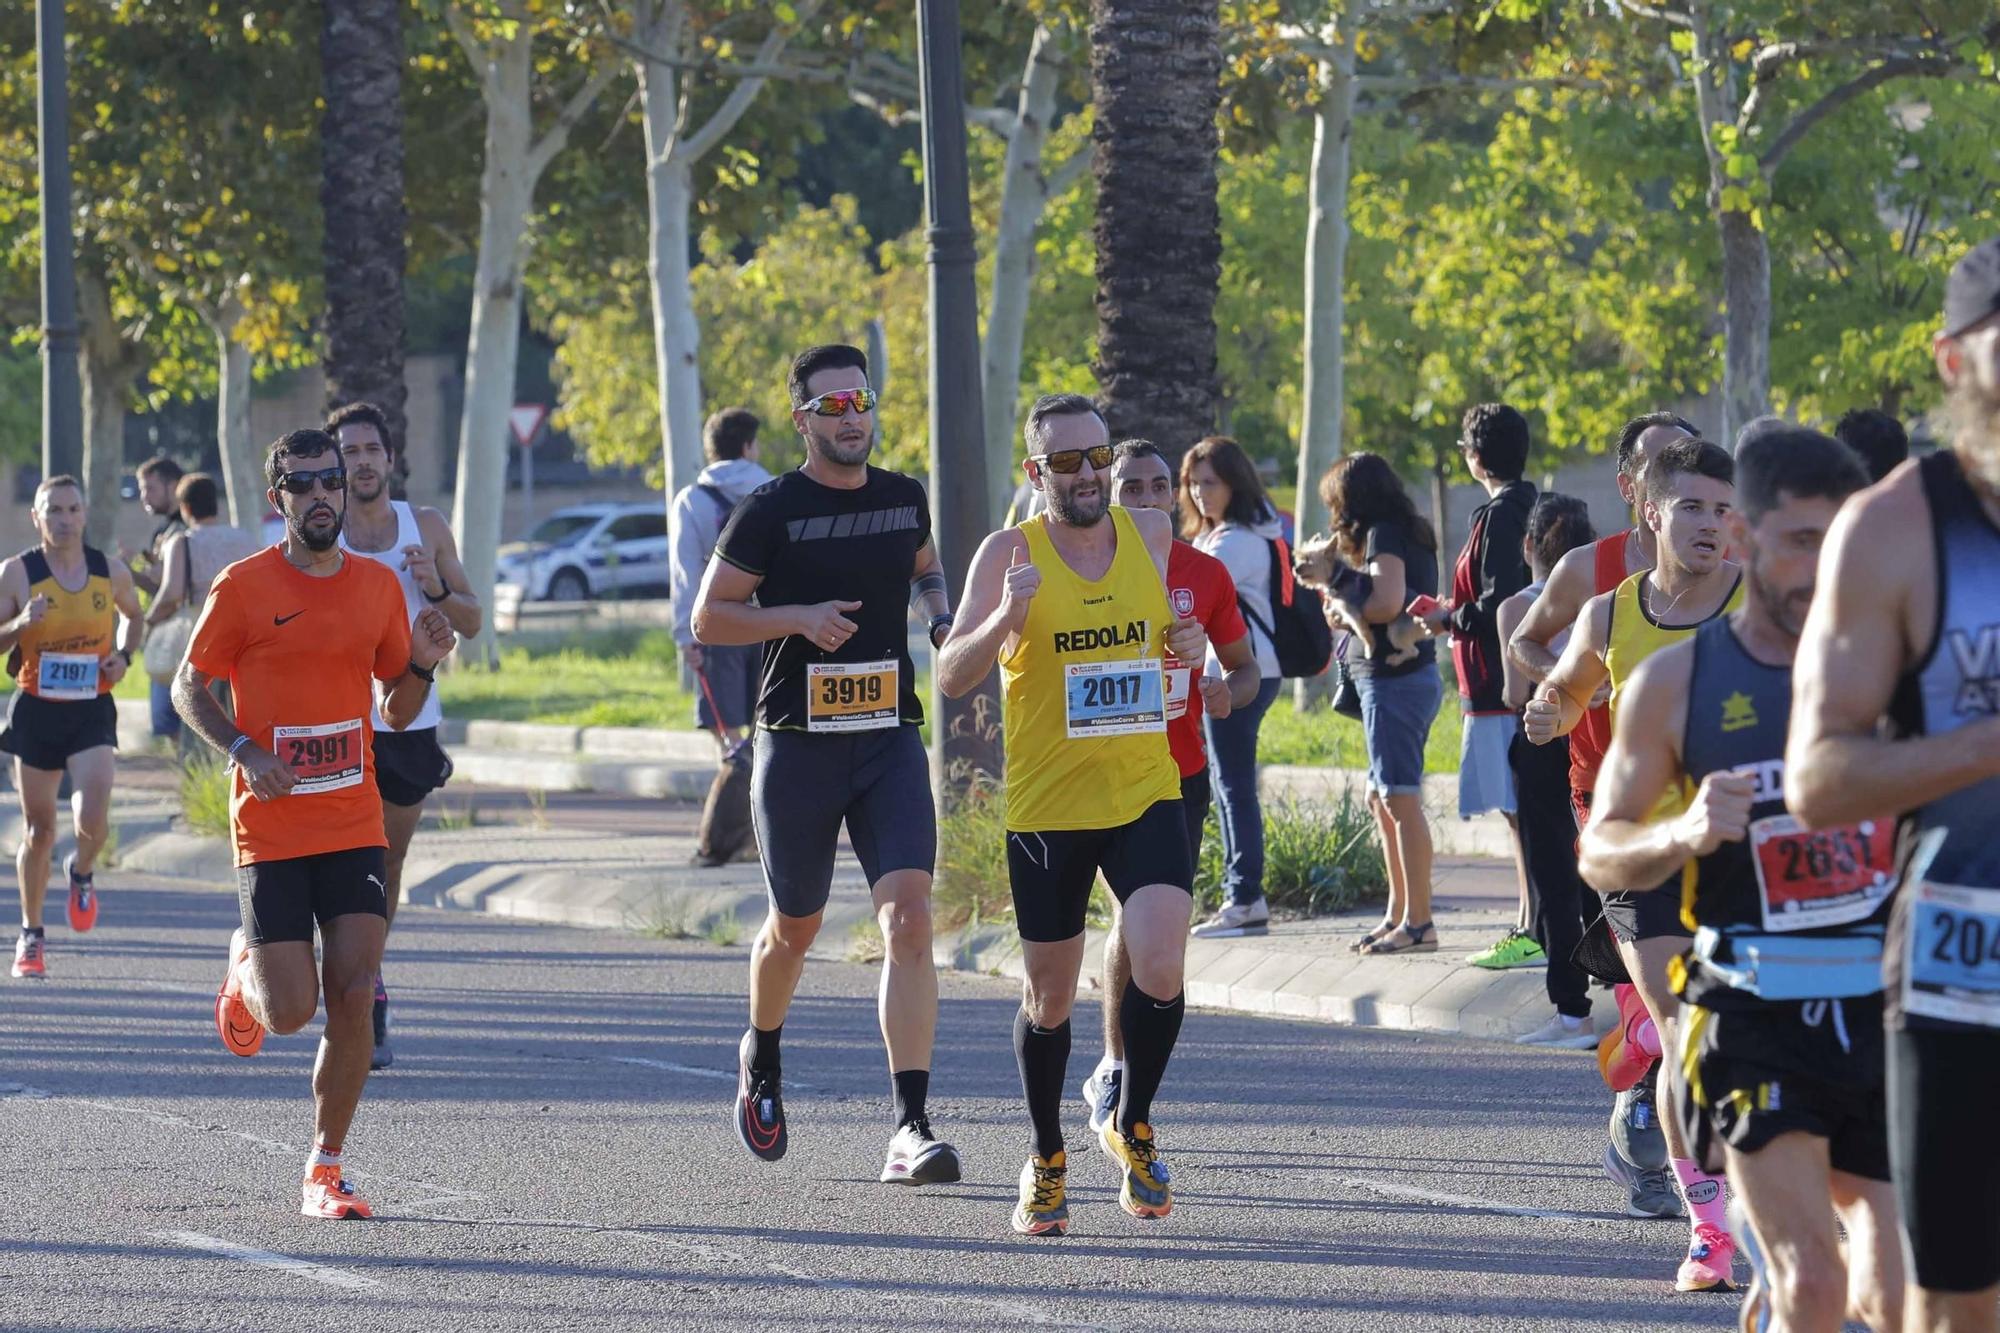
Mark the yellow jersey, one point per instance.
(58, 658)
(1083, 691)
(1634, 637)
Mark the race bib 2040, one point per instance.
(852, 696)
(1808, 878)
(1951, 953)
(326, 757)
(67, 676)
(1114, 698)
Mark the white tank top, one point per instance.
(407, 534)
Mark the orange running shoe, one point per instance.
(28, 961)
(82, 898)
(1629, 1049)
(234, 1023)
(328, 1196)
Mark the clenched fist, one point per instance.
(1542, 716)
(1187, 640)
(430, 638)
(1023, 582)
(1719, 813)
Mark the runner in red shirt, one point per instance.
(1198, 585)
(299, 630)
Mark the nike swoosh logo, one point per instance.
(279, 620)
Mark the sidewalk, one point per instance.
(622, 862)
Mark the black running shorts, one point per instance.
(803, 786)
(1647, 916)
(1052, 872)
(409, 765)
(1944, 1100)
(1813, 1067)
(280, 900)
(47, 733)
(1195, 800)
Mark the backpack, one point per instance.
(722, 502)
(1300, 635)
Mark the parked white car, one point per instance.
(592, 550)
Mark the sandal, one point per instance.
(1416, 939)
(1366, 942)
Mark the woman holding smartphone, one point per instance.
(1377, 529)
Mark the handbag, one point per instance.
(167, 642)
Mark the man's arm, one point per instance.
(689, 543)
(1622, 850)
(1858, 637)
(440, 575)
(1569, 587)
(423, 645)
(930, 595)
(1559, 705)
(1515, 687)
(998, 588)
(17, 609)
(1240, 678)
(131, 625)
(173, 578)
(267, 776)
(148, 568)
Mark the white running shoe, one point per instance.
(1571, 1034)
(1235, 919)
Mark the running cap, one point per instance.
(1972, 293)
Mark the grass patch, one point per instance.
(723, 931)
(1323, 738)
(1318, 859)
(205, 788)
(971, 883)
(606, 678)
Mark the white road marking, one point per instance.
(305, 1268)
(1465, 1201)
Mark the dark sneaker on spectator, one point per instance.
(1514, 949)
(1235, 919)
(1571, 1034)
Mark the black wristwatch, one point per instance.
(444, 596)
(943, 622)
(423, 673)
(126, 655)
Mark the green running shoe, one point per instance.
(1515, 949)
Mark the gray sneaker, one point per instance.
(1635, 1129)
(1648, 1193)
(1236, 919)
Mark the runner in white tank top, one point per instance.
(416, 544)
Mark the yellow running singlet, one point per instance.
(58, 657)
(1083, 694)
(1634, 637)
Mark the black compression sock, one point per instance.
(33, 932)
(1150, 1028)
(1043, 1054)
(911, 1088)
(764, 1049)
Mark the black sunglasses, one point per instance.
(301, 483)
(1071, 460)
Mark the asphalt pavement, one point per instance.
(553, 1150)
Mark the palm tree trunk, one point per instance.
(361, 191)
(1155, 70)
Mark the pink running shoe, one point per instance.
(1628, 1050)
(1711, 1256)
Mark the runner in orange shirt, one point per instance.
(298, 630)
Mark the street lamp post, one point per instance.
(968, 729)
(62, 389)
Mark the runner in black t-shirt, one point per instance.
(835, 553)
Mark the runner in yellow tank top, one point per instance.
(1690, 493)
(61, 605)
(1072, 604)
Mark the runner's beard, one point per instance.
(381, 484)
(297, 524)
(845, 455)
(1975, 422)
(1065, 507)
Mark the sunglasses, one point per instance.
(1071, 460)
(301, 483)
(835, 404)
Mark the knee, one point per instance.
(906, 930)
(790, 936)
(38, 832)
(349, 999)
(1046, 1002)
(1158, 971)
(287, 1012)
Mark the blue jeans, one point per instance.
(166, 722)
(1396, 717)
(1232, 757)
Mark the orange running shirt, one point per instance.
(299, 654)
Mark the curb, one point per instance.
(1431, 994)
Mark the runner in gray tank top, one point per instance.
(1907, 633)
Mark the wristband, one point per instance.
(444, 596)
(423, 673)
(126, 655)
(945, 622)
(238, 744)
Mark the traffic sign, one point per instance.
(526, 420)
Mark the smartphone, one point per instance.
(1422, 605)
